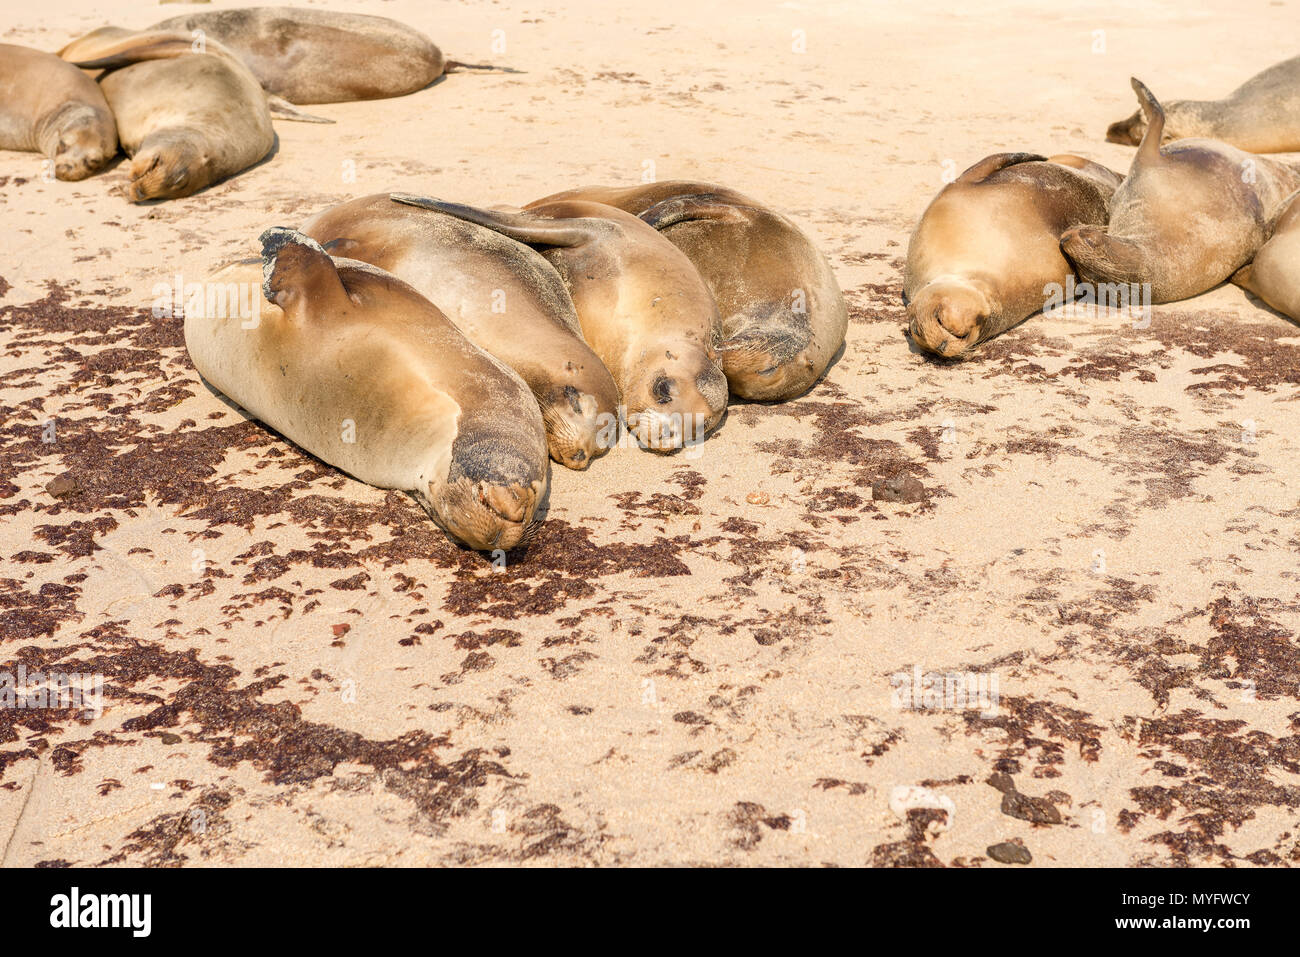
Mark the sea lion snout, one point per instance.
(693, 408)
(947, 318)
(766, 364)
(491, 494)
(166, 169)
(574, 427)
(81, 151)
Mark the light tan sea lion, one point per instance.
(1274, 275)
(644, 310)
(503, 295)
(50, 107)
(1260, 116)
(366, 374)
(1185, 218)
(783, 315)
(320, 56)
(987, 247)
(187, 119)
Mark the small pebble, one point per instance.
(62, 486)
(899, 488)
(1009, 852)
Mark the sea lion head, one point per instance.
(579, 406)
(490, 495)
(1129, 132)
(81, 150)
(771, 354)
(169, 165)
(948, 315)
(81, 140)
(677, 400)
(573, 426)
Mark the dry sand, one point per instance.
(693, 664)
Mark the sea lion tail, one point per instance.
(285, 110)
(1149, 148)
(455, 66)
(521, 227)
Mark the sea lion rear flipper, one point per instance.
(521, 227)
(991, 164)
(296, 270)
(285, 110)
(455, 66)
(1149, 148)
(681, 209)
(110, 47)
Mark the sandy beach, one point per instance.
(712, 658)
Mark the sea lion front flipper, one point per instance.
(1149, 148)
(991, 164)
(296, 271)
(521, 227)
(285, 110)
(1100, 257)
(110, 47)
(681, 209)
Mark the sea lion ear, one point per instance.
(991, 164)
(296, 270)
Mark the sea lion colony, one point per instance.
(449, 350)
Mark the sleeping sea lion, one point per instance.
(988, 246)
(1260, 116)
(783, 315)
(503, 295)
(48, 106)
(1185, 218)
(363, 372)
(187, 114)
(643, 308)
(321, 56)
(1274, 275)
